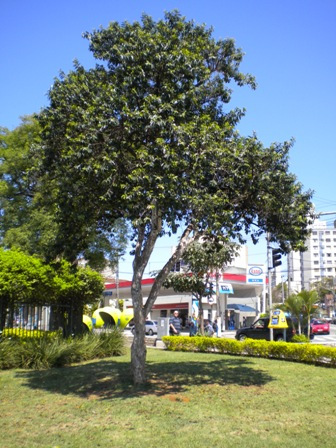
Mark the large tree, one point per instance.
(26, 279)
(23, 279)
(22, 224)
(146, 135)
(27, 218)
(74, 287)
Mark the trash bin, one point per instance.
(163, 327)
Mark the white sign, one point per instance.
(256, 274)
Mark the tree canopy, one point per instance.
(147, 135)
(26, 279)
(27, 219)
(23, 224)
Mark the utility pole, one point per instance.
(276, 261)
(282, 290)
(219, 314)
(269, 282)
(289, 273)
(117, 277)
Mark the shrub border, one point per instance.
(305, 353)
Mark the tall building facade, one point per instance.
(318, 261)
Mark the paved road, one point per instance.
(329, 339)
(318, 339)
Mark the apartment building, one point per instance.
(318, 261)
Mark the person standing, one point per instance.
(175, 324)
(215, 327)
(209, 331)
(193, 326)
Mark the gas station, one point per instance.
(237, 298)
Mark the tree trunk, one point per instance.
(200, 315)
(308, 329)
(143, 250)
(3, 312)
(138, 350)
(77, 311)
(58, 320)
(138, 354)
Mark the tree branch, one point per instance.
(185, 240)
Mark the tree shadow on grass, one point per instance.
(110, 379)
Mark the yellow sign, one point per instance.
(278, 320)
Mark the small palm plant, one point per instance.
(294, 305)
(309, 302)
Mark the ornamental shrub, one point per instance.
(22, 333)
(45, 352)
(309, 353)
(300, 338)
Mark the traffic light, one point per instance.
(276, 257)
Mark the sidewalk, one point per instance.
(229, 334)
(153, 342)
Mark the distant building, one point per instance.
(318, 261)
(233, 277)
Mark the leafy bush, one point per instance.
(45, 352)
(300, 338)
(22, 333)
(309, 353)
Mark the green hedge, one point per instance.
(309, 353)
(22, 333)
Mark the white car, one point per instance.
(151, 327)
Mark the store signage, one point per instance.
(255, 274)
(225, 288)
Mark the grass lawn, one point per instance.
(192, 400)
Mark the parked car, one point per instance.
(319, 326)
(259, 330)
(151, 327)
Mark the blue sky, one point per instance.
(289, 46)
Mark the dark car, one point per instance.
(259, 330)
